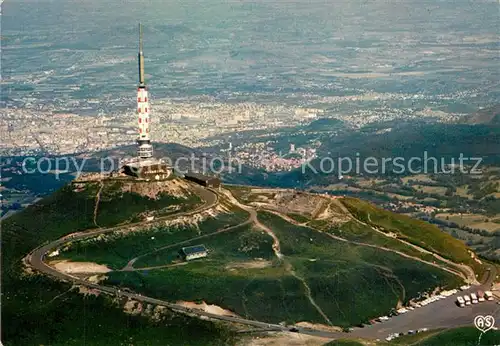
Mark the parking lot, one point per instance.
(439, 311)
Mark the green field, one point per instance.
(267, 294)
(37, 310)
(226, 278)
(239, 244)
(299, 218)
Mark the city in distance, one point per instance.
(250, 173)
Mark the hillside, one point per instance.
(38, 310)
(413, 139)
(414, 231)
(274, 256)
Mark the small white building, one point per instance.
(193, 252)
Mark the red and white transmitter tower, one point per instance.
(144, 166)
(145, 149)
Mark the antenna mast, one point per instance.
(141, 58)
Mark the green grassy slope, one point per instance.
(352, 283)
(357, 232)
(238, 244)
(268, 293)
(414, 231)
(337, 274)
(116, 250)
(39, 311)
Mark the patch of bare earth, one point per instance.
(27, 270)
(88, 291)
(196, 219)
(95, 279)
(268, 191)
(68, 267)
(213, 309)
(133, 307)
(285, 338)
(258, 264)
(319, 326)
(175, 187)
(312, 205)
(178, 221)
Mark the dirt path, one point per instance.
(156, 267)
(255, 220)
(308, 294)
(276, 249)
(253, 214)
(97, 200)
